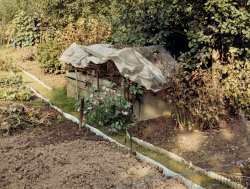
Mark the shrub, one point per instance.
(47, 55)
(196, 101)
(199, 97)
(109, 109)
(5, 65)
(236, 82)
(85, 32)
(26, 30)
(188, 28)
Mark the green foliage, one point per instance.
(9, 8)
(85, 32)
(193, 27)
(109, 109)
(196, 102)
(237, 83)
(218, 25)
(140, 22)
(61, 13)
(26, 29)
(13, 89)
(200, 97)
(47, 55)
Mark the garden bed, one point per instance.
(206, 149)
(44, 157)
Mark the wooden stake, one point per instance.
(131, 143)
(98, 82)
(81, 113)
(77, 93)
(244, 124)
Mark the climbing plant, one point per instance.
(26, 29)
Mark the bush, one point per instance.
(85, 32)
(47, 55)
(199, 97)
(190, 28)
(109, 109)
(236, 82)
(26, 29)
(197, 103)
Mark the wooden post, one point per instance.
(81, 113)
(77, 93)
(244, 124)
(98, 82)
(131, 143)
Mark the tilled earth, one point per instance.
(61, 156)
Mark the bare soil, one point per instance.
(62, 156)
(206, 149)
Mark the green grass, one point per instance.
(60, 99)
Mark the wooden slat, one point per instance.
(87, 78)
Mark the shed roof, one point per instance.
(149, 66)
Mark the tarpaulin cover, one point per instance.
(149, 66)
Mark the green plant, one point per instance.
(47, 55)
(192, 29)
(26, 29)
(236, 82)
(85, 32)
(197, 100)
(16, 117)
(133, 91)
(109, 109)
(13, 89)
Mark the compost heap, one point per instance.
(149, 66)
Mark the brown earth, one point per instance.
(206, 149)
(62, 156)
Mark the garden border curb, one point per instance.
(166, 171)
(177, 158)
(35, 78)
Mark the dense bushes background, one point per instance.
(209, 37)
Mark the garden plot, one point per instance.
(58, 155)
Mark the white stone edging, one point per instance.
(177, 158)
(35, 78)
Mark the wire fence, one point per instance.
(130, 185)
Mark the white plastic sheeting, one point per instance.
(151, 72)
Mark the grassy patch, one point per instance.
(60, 99)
